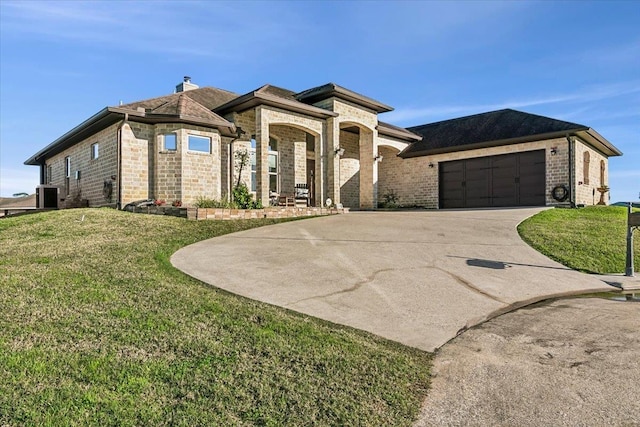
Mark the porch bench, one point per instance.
(286, 201)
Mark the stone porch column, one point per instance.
(262, 158)
(319, 174)
(333, 161)
(367, 167)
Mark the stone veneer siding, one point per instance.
(350, 169)
(135, 164)
(416, 184)
(93, 172)
(587, 193)
(167, 178)
(200, 171)
(268, 120)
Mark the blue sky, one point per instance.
(61, 62)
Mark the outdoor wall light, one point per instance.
(378, 157)
(431, 165)
(339, 152)
(554, 150)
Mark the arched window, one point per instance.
(585, 168)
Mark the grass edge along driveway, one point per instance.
(97, 328)
(591, 240)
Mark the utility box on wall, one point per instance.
(47, 197)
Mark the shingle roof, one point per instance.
(495, 126)
(274, 96)
(209, 97)
(184, 107)
(325, 91)
(278, 91)
(397, 131)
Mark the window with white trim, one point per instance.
(67, 174)
(170, 142)
(95, 151)
(201, 144)
(272, 164)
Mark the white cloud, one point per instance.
(584, 95)
(172, 28)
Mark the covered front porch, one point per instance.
(333, 164)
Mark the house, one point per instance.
(182, 146)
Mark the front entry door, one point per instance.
(311, 181)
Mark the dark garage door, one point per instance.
(507, 180)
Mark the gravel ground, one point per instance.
(573, 362)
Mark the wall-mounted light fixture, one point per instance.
(378, 157)
(431, 165)
(554, 151)
(339, 152)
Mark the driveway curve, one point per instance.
(416, 277)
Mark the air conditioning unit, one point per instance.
(48, 196)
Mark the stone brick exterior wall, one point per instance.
(135, 165)
(411, 180)
(586, 186)
(93, 172)
(350, 169)
(166, 179)
(200, 171)
(291, 156)
(416, 184)
(355, 179)
(289, 129)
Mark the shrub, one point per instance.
(389, 199)
(204, 202)
(244, 199)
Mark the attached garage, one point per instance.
(516, 179)
(505, 158)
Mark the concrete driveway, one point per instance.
(417, 277)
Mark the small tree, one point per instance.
(242, 158)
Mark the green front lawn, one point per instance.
(591, 239)
(97, 328)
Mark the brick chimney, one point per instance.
(186, 85)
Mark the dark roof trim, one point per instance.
(102, 119)
(255, 98)
(396, 132)
(599, 142)
(110, 115)
(333, 90)
(588, 135)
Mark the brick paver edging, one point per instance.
(275, 212)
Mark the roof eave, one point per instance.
(406, 135)
(194, 120)
(345, 94)
(599, 142)
(406, 153)
(256, 98)
(61, 142)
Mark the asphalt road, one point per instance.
(573, 362)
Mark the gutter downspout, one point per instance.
(43, 177)
(572, 200)
(119, 161)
